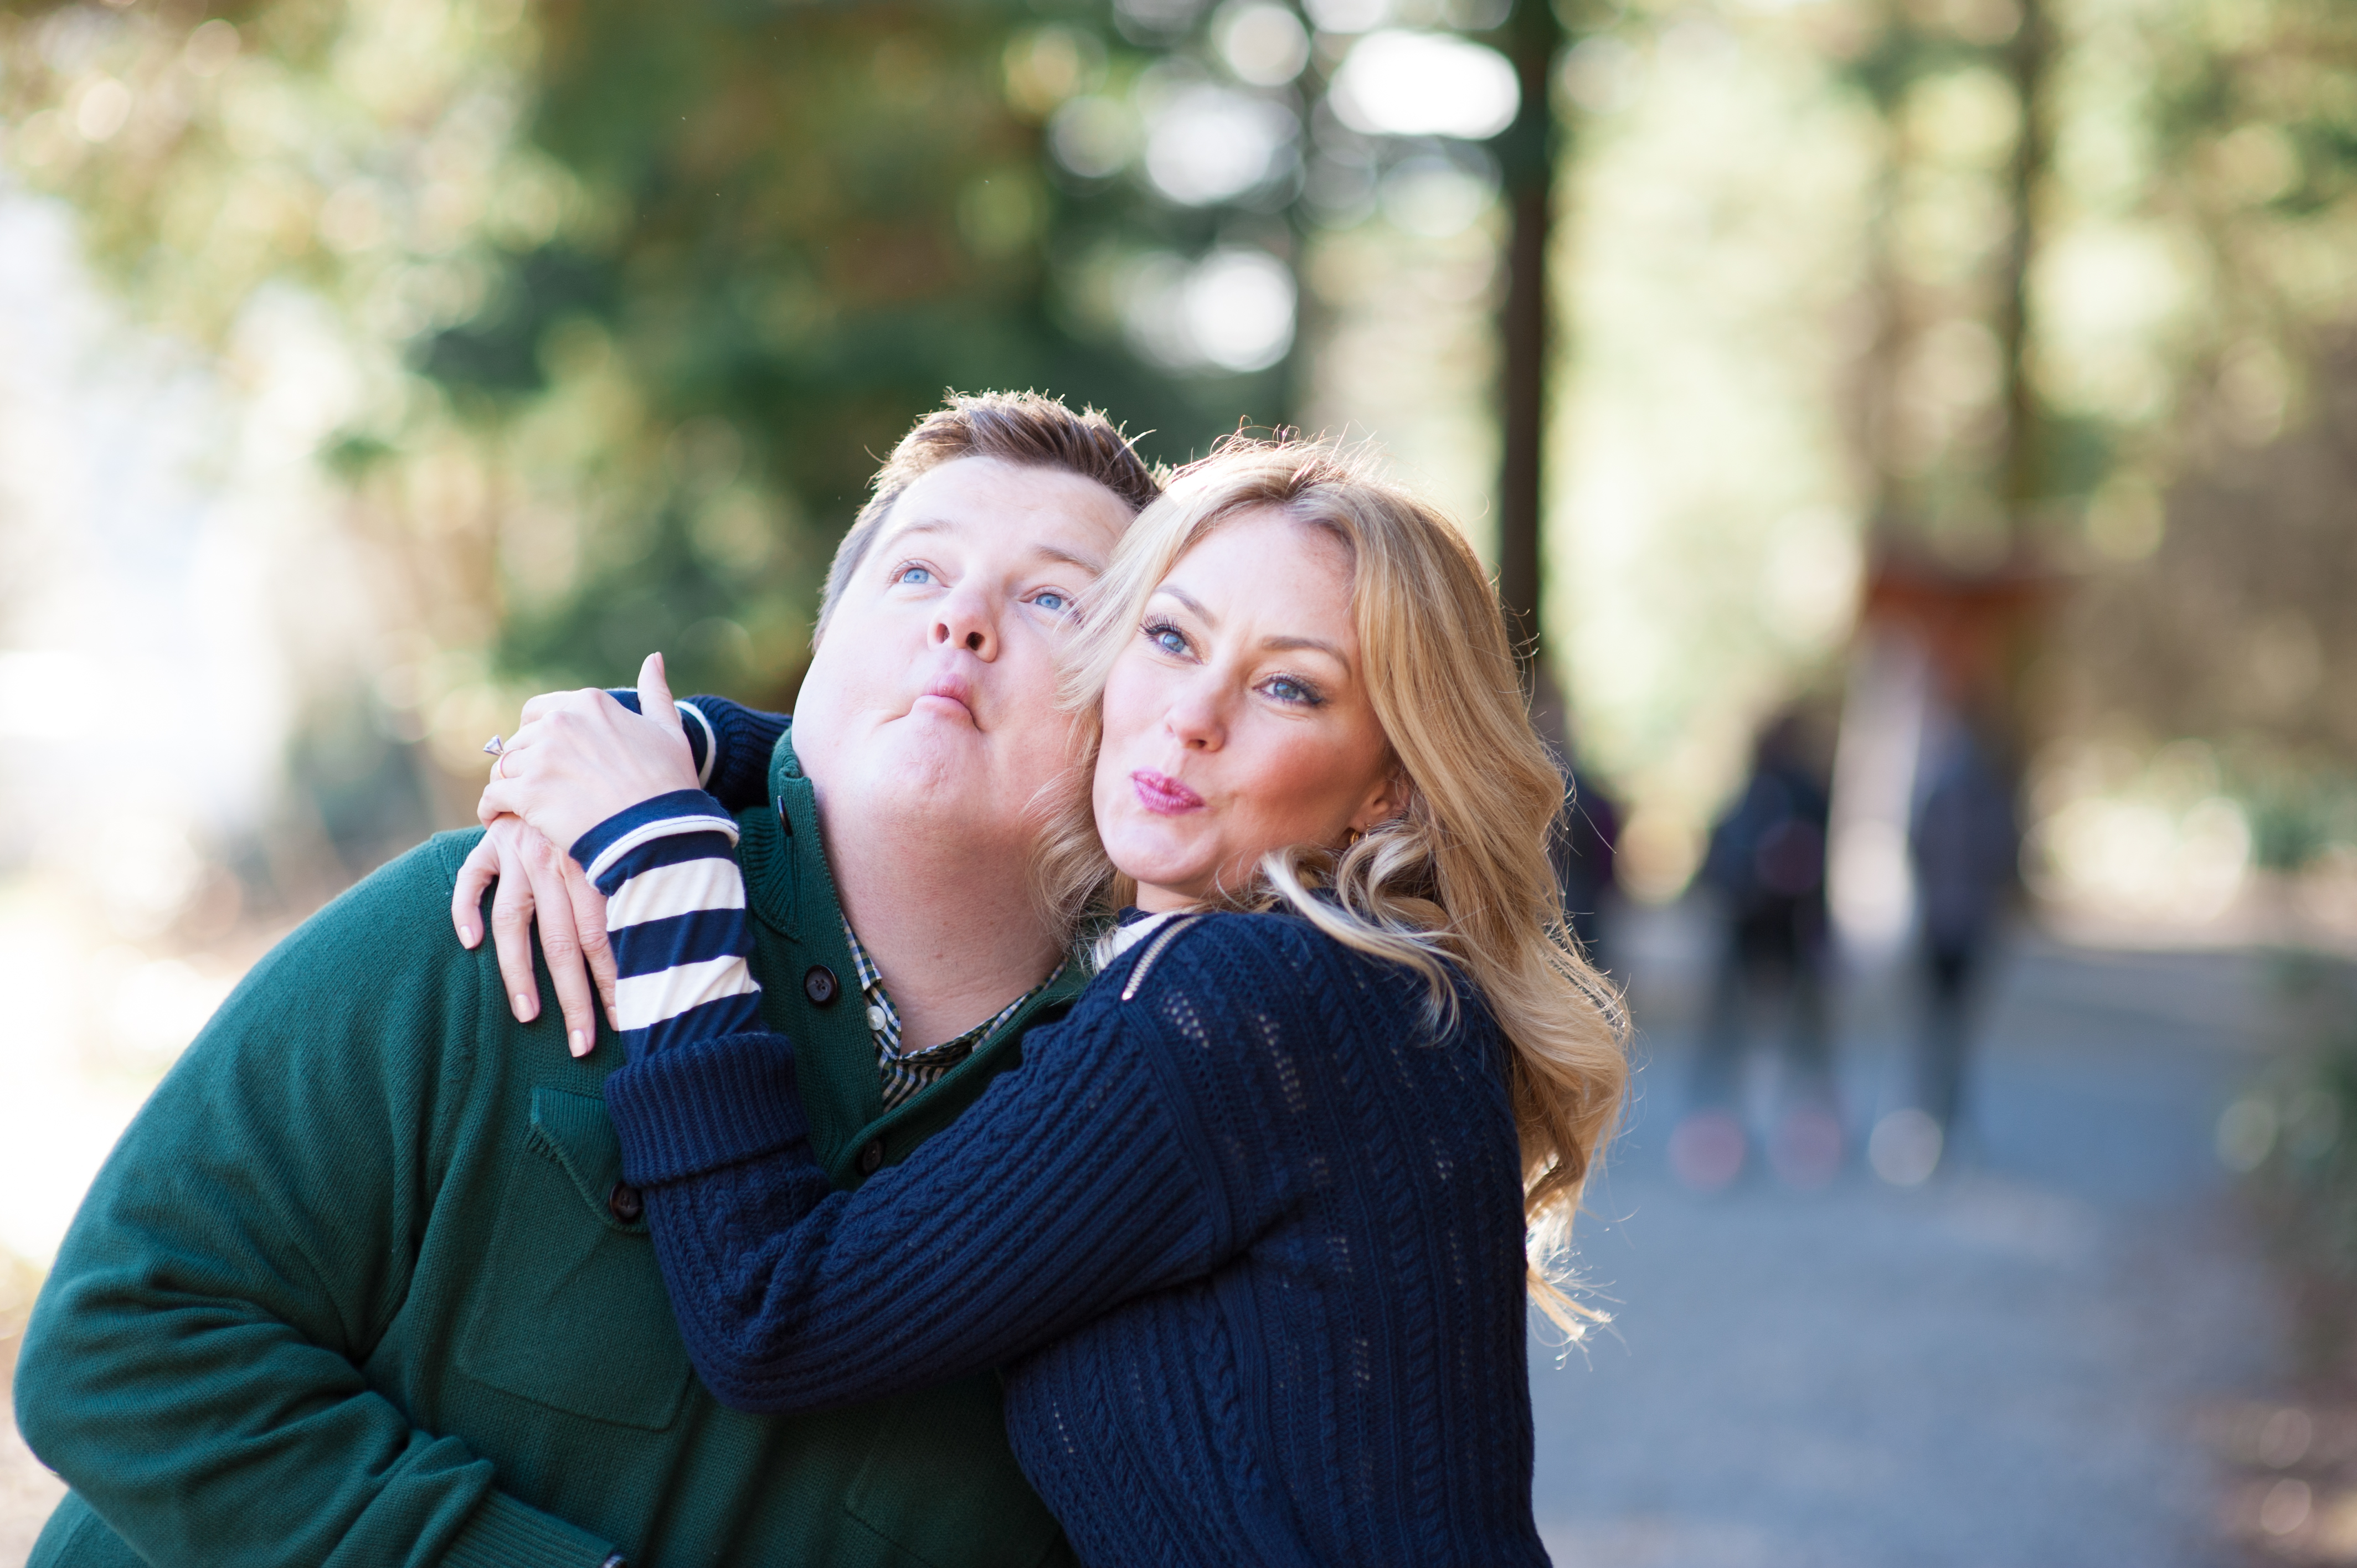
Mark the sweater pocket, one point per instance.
(979, 1511)
(572, 1314)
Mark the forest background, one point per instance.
(368, 365)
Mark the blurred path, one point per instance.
(2001, 1368)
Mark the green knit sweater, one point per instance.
(358, 1287)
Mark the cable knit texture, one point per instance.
(1247, 1247)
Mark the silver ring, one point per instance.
(493, 747)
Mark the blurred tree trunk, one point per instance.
(1527, 151)
(1876, 397)
(2020, 477)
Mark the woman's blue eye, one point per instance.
(1052, 602)
(916, 575)
(1167, 638)
(1285, 689)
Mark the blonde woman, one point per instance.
(1252, 1232)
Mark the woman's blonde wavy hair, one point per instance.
(1462, 878)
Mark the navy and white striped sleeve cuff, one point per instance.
(666, 816)
(676, 915)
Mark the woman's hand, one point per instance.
(535, 877)
(582, 757)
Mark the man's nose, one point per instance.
(965, 620)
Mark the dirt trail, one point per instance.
(2006, 1368)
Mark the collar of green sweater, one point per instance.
(809, 993)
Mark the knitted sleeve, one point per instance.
(731, 744)
(1066, 1189)
(1081, 1179)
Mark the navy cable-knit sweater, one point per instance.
(1243, 1233)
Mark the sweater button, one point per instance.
(818, 984)
(871, 1157)
(625, 1204)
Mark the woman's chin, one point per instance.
(1146, 859)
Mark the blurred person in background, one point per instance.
(363, 1281)
(1967, 848)
(1343, 1020)
(1766, 870)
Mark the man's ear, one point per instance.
(1388, 799)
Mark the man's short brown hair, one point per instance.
(1023, 428)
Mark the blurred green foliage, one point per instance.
(627, 301)
(649, 290)
(2183, 174)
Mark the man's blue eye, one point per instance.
(914, 574)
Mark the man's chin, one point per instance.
(937, 740)
(941, 774)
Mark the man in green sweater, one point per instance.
(361, 1285)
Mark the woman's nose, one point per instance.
(964, 621)
(1195, 719)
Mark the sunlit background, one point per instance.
(367, 366)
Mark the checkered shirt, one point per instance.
(906, 1073)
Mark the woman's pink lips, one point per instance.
(1162, 795)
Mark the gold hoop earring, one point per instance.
(1351, 836)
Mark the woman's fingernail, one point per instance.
(580, 1045)
(467, 936)
(523, 1006)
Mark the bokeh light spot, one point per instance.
(1401, 84)
(1207, 144)
(1265, 45)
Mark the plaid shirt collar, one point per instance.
(905, 1074)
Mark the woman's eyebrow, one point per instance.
(1288, 644)
(1193, 604)
(1271, 644)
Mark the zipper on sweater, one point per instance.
(1153, 952)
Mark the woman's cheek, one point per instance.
(1127, 696)
(1288, 776)
(1104, 794)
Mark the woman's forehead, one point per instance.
(1287, 581)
